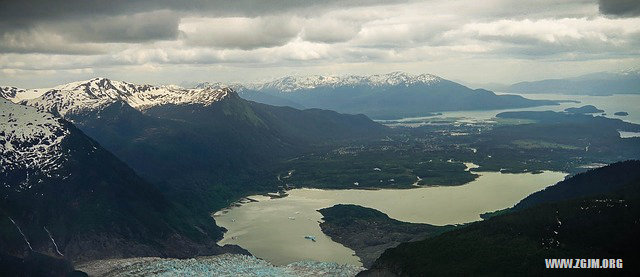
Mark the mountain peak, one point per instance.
(296, 83)
(218, 85)
(403, 78)
(96, 93)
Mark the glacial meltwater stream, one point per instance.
(275, 229)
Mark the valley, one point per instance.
(536, 142)
(266, 171)
(348, 138)
(275, 229)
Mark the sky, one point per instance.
(44, 43)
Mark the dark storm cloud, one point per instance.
(170, 39)
(623, 8)
(20, 13)
(85, 36)
(240, 33)
(137, 21)
(141, 27)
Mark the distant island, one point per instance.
(621, 113)
(584, 110)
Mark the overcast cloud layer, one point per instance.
(49, 42)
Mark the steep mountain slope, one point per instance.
(203, 147)
(603, 83)
(600, 223)
(269, 99)
(594, 182)
(65, 196)
(390, 95)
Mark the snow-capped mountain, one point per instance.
(218, 85)
(30, 141)
(298, 83)
(382, 96)
(391, 95)
(64, 195)
(10, 92)
(94, 94)
(17, 94)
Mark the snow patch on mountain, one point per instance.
(401, 78)
(94, 94)
(29, 140)
(237, 87)
(297, 83)
(15, 94)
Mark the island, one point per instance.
(370, 232)
(584, 110)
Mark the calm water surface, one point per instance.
(610, 104)
(274, 229)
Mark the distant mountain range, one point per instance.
(602, 83)
(97, 93)
(383, 96)
(65, 196)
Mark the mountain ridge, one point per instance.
(202, 155)
(295, 83)
(96, 93)
(65, 196)
(382, 96)
(599, 83)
